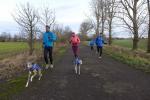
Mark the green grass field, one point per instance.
(8, 49)
(128, 43)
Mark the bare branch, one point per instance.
(27, 18)
(48, 17)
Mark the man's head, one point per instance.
(47, 28)
(100, 34)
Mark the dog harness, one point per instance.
(77, 61)
(35, 67)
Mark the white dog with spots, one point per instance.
(34, 69)
(77, 63)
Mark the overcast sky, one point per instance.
(68, 12)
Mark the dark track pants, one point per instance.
(100, 50)
(48, 51)
(75, 51)
(92, 48)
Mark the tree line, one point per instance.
(132, 15)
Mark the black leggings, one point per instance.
(49, 51)
(75, 51)
(100, 50)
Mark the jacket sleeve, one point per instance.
(96, 41)
(90, 43)
(103, 41)
(53, 37)
(44, 39)
(78, 40)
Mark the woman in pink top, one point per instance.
(74, 40)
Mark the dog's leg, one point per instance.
(76, 68)
(40, 74)
(35, 73)
(79, 69)
(29, 75)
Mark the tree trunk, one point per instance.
(148, 43)
(110, 34)
(135, 27)
(31, 43)
(97, 27)
(103, 20)
(103, 26)
(135, 41)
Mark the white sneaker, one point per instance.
(100, 57)
(52, 66)
(47, 66)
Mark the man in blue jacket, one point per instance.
(99, 43)
(48, 42)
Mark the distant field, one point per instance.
(128, 43)
(12, 48)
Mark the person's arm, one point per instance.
(78, 40)
(90, 43)
(96, 41)
(104, 42)
(54, 37)
(70, 41)
(44, 40)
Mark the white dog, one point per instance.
(34, 69)
(77, 63)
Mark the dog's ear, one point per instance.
(29, 64)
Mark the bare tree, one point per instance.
(67, 30)
(27, 17)
(148, 44)
(103, 17)
(111, 6)
(48, 17)
(99, 12)
(133, 18)
(16, 38)
(95, 5)
(67, 33)
(58, 29)
(86, 27)
(22, 34)
(5, 37)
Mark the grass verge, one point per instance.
(128, 57)
(16, 85)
